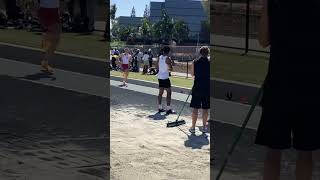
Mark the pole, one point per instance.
(187, 68)
(247, 27)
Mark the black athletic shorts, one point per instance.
(290, 119)
(200, 102)
(164, 83)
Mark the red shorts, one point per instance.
(125, 67)
(48, 16)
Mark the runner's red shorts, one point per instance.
(48, 16)
(125, 67)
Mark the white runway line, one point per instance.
(73, 81)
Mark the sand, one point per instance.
(143, 148)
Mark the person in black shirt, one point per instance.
(290, 117)
(150, 58)
(201, 88)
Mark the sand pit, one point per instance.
(143, 148)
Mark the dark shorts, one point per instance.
(200, 102)
(48, 16)
(164, 83)
(290, 119)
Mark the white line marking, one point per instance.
(57, 52)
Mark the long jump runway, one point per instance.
(52, 127)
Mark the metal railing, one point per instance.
(235, 23)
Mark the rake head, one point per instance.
(175, 123)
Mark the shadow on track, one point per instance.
(39, 76)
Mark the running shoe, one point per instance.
(205, 129)
(161, 110)
(170, 111)
(46, 67)
(192, 130)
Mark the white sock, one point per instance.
(168, 107)
(160, 106)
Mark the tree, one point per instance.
(115, 29)
(205, 31)
(127, 33)
(113, 10)
(146, 13)
(133, 12)
(180, 31)
(145, 29)
(165, 27)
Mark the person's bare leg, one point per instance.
(205, 115)
(168, 96)
(194, 117)
(51, 41)
(126, 74)
(161, 90)
(304, 165)
(272, 164)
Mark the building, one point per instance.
(129, 21)
(191, 12)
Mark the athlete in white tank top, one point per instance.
(163, 68)
(49, 3)
(125, 58)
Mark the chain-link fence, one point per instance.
(182, 56)
(235, 23)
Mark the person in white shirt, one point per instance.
(145, 60)
(50, 20)
(164, 65)
(126, 58)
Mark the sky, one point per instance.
(124, 7)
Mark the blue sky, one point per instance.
(124, 7)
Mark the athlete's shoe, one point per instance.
(46, 67)
(161, 110)
(170, 111)
(192, 130)
(205, 129)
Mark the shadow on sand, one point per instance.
(157, 116)
(197, 142)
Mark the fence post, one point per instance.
(187, 69)
(247, 27)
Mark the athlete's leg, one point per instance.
(304, 165)
(168, 97)
(205, 115)
(272, 164)
(161, 90)
(194, 117)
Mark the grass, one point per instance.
(175, 81)
(233, 66)
(85, 45)
(225, 65)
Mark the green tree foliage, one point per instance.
(113, 10)
(180, 31)
(145, 29)
(205, 31)
(133, 12)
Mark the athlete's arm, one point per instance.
(169, 62)
(157, 64)
(264, 26)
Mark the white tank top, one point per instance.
(49, 3)
(163, 68)
(125, 59)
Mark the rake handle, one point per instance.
(234, 144)
(184, 104)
